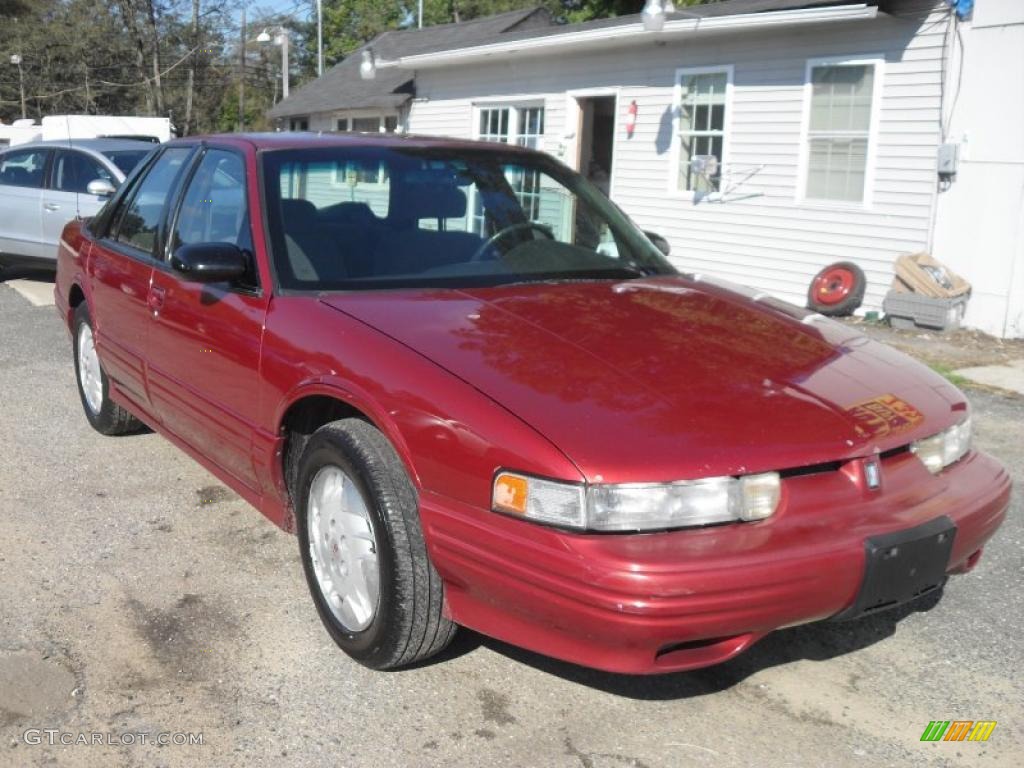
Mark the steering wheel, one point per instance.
(503, 233)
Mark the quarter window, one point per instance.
(23, 168)
(141, 217)
(702, 102)
(838, 131)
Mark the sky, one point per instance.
(298, 8)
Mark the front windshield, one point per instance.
(350, 218)
(126, 159)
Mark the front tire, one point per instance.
(105, 416)
(363, 551)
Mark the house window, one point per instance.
(366, 124)
(523, 125)
(526, 183)
(841, 104)
(494, 124)
(702, 101)
(298, 124)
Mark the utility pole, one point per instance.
(16, 59)
(192, 67)
(88, 94)
(319, 38)
(284, 63)
(241, 76)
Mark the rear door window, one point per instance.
(24, 168)
(141, 216)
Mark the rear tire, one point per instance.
(105, 416)
(358, 508)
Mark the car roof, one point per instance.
(313, 139)
(96, 145)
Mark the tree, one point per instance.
(116, 57)
(349, 24)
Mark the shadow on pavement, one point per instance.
(814, 642)
(41, 274)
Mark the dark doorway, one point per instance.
(597, 139)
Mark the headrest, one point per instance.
(351, 214)
(432, 201)
(298, 214)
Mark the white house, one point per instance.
(827, 118)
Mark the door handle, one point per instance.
(155, 299)
(51, 206)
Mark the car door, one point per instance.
(121, 268)
(22, 176)
(204, 350)
(66, 196)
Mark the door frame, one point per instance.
(574, 121)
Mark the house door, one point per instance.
(595, 147)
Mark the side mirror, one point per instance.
(100, 188)
(210, 262)
(659, 242)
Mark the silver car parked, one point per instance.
(46, 184)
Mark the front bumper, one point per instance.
(670, 601)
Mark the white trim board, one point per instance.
(629, 34)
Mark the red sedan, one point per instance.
(481, 396)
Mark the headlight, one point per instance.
(948, 447)
(638, 506)
(545, 501)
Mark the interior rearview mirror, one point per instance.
(209, 262)
(100, 188)
(659, 242)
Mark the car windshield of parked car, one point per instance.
(350, 218)
(126, 159)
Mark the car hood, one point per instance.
(669, 378)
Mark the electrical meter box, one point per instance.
(948, 159)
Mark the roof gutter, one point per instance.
(630, 34)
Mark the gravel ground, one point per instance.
(957, 349)
(139, 596)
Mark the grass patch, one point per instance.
(950, 375)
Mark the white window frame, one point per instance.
(877, 60)
(338, 180)
(677, 98)
(352, 114)
(514, 107)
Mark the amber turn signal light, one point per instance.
(510, 492)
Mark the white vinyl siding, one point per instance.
(763, 233)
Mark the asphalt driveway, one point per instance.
(139, 596)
